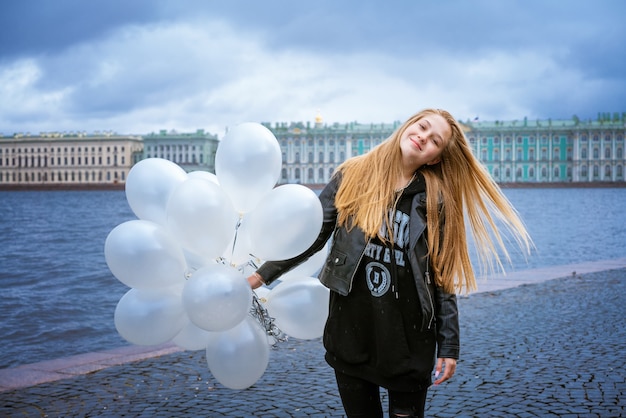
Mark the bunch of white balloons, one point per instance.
(197, 237)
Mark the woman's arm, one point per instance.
(448, 334)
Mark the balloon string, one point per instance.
(232, 252)
(267, 322)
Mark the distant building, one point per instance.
(67, 159)
(520, 152)
(312, 153)
(551, 151)
(94, 160)
(192, 151)
(541, 151)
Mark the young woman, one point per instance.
(399, 254)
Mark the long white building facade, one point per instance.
(67, 159)
(70, 160)
(524, 152)
(549, 151)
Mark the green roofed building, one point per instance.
(192, 151)
(516, 152)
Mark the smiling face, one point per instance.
(423, 141)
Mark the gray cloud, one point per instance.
(195, 64)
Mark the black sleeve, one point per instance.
(448, 332)
(272, 270)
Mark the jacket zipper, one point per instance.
(358, 264)
(430, 298)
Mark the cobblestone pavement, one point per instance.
(552, 349)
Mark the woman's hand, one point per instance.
(449, 367)
(255, 280)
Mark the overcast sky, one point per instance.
(138, 66)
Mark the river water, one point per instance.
(58, 295)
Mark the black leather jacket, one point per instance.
(439, 308)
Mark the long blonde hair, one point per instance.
(458, 187)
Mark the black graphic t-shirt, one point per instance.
(374, 332)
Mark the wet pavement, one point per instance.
(545, 348)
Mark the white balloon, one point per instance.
(191, 337)
(239, 250)
(217, 297)
(237, 358)
(300, 307)
(196, 261)
(261, 293)
(149, 185)
(201, 216)
(143, 254)
(205, 175)
(247, 164)
(310, 267)
(286, 222)
(149, 317)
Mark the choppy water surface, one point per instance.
(58, 296)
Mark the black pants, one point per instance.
(361, 399)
